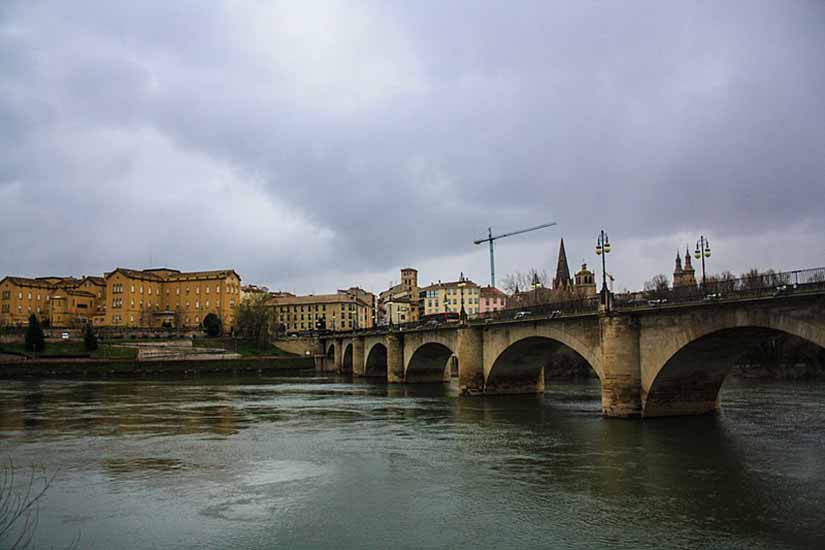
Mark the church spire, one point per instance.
(688, 266)
(562, 279)
(678, 263)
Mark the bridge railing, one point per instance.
(578, 306)
(756, 285)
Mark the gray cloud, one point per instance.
(319, 145)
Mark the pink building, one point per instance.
(492, 299)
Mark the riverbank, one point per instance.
(106, 368)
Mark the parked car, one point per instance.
(521, 315)
(553, 314)
(64, 336)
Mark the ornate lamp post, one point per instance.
(603, 249)
(702, 251)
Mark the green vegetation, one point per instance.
(75, 349)
(213, 325)
(90, 338)
(35, 341)
(255, 319)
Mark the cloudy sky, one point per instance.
(315, 145)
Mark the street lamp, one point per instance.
(702, 251)
(603, 249)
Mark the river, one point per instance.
(321, 462)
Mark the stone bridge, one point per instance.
(651, 361)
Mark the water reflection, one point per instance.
(324, 462)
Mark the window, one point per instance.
(218, 289)
(141, 290)
(197, 305)
(19, 295)
(29, 296)
(207, 290)
(177, 291)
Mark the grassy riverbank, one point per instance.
(105, 368)
(72, 349)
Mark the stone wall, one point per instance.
(299, 346)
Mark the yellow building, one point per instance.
(452, 296)
(56, 301)
(169, 298)
(350, 309)
(151, 298)
(401, 303)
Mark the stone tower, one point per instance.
(562, 280)
(585, 282)
(686, 276)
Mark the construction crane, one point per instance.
(490, 240)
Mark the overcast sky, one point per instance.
(316, 145)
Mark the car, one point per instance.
(64, 336)
(657, 302)
(553, 314)
(521, 315)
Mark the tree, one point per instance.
(213, 325)
(519, 281)
(35, 341)
(89, 338)
(255, 319)
(19, 506)
(657, 286)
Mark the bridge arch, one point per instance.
(346, 359)
(519, 368)
(691, 370)
(376, 363)
(429, 363)
(330, 354)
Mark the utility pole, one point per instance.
(490, 239)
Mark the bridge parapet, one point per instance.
(652, 360)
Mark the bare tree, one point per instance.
(19, 506)
(658, 284)
(521, 282)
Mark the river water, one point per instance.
(320, 462)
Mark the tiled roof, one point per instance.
(491, 292)
(281, 300)
(26, 281)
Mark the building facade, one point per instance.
(55, 301)
(403, 300)
(170, 298)
(350, 309)
(492, 299)
(455, 296)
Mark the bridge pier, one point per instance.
(338, 356)
(358, 359)
(395, 357)
(470, 361)
(621, 384)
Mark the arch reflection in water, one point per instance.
(689, 380)
(521, 367)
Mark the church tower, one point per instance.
(689, 276)
(683, 277)
(562, 280)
